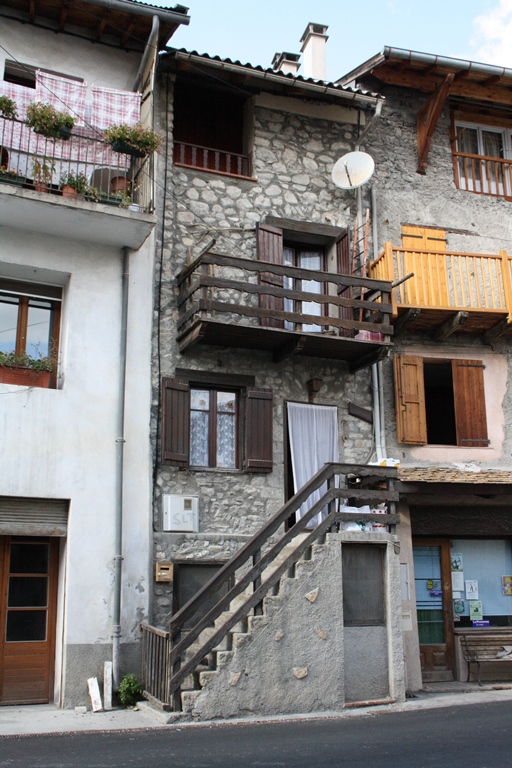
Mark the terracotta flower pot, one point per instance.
(24, 377)
(70, 192)
(40, 186)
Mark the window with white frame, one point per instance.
(483, 158)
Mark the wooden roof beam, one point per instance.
(128, 33)
(63, 15)
(453, 324)
(491, 80)
(426, 120)
(32, 11)
(102, 25)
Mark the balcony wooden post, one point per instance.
(389, 270)
(507, 283)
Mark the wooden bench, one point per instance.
(484, 648)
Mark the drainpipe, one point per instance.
(118, 547)
(151, 43)
(377, 373)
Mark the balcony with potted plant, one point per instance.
(26, 371)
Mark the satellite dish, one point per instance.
(353, 170)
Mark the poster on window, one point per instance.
(506, 582)
(458, 581)
(471, 589)
(456, 560)
(475, 610)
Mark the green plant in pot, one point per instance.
(8, 108)
(42, 172)
(74, 184)
(132, 140)
(48, 121)
(25, 370)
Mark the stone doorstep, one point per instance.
(164, 717)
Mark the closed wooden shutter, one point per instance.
(270, 248)
(344, 268)
(411, 421)
(423, 238)
(176, 422)
(469, 397)
(430, 286)
(258, 430)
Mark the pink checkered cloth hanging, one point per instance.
(21, 95)
(62, 93)
(110, 107)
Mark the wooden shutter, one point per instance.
(432, 289)
(270, 248)
(176, 422)
(424, 239)
(469, 397)
(411, 421)
(258, 430)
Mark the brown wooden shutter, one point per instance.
(176, 422)
(258, 430)
(423, 238)
(270, 248)
(411, 421)
(469, 397)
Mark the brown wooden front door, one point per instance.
(28, 602)
(434, 606)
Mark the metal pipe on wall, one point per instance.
(151, 43)
(379, 423)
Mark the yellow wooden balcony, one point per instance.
(448, 291)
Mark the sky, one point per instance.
(253, 30)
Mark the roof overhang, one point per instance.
(266, 79)
(125, 24)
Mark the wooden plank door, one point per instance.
(28, 602)
(432, 575)
(430, 284)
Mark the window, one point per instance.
(210, 128)
(216, 421)
(483, 158)
(29, 318)
(440, 402)
(25, 74)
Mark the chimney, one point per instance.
(285, 62)
(313, 47)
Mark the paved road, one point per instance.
(473, 736)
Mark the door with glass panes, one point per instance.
(434, 607)
(28, 602)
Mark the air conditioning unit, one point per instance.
(180, 513)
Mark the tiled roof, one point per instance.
(453, 475)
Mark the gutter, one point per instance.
(324, 90)
(415, 57)
(140, 9)
(151, 44)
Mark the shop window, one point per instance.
(224, 424)
(440, 402)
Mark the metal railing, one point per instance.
(453, 280)
(332, 485)
(32, 161)
(208, 159)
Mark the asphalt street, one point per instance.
(473, 736)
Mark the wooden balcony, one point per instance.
(213, 160)
(447, 292)
(483, 175)
(234, 302)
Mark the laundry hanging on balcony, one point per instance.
(110, 107)
(64, 94)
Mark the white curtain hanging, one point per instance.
(313, 433)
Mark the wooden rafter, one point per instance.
(452, 325)
(102, 25)
(128, 33)
(63, 15)
(32, 12)
(427, 117)
(491, 80)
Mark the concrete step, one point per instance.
(224, 658)
(188, 699)
(205, 677)
(241, 638)
(240, 626)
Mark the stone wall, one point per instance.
(292, 161)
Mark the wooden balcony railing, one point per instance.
(208, 159)
(483, 175)
(112, 177)
(237, 302)
(448, 282)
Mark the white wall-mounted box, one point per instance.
(181, 513)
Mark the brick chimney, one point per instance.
(313, 47)
(285, 62)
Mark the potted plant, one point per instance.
(25, 370)
(42, 172)
(132, 140)
(10, 177)
(8, 108)
(74, 184)
(48, 121)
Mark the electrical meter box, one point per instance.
(181, 513)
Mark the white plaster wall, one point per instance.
(61, 443)
(96, 63)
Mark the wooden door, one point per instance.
(434, 605)
(28, 601)
(425, 256)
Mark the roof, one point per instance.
(453, 475)
(426, 71)
(286, 80)
(123, 23)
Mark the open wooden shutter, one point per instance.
(258, 430)
(411, 421)
(270, 248)
(176, 422)
(469, 397)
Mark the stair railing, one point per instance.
(251, 557)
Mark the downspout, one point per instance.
(118, 546)
(151, 43)
(377, 380)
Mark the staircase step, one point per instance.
(189, 683)
(256, 622)
(224, 658)
(240, 626)
(241, 638)
(205, 677)
(188, 700)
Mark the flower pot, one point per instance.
(70, 192)
(24, 377)
(40, 186)
(119, 184)
(126, 149)
(12, 178)
(65, 133)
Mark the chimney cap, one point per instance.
(314, 29)
(280, 58)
